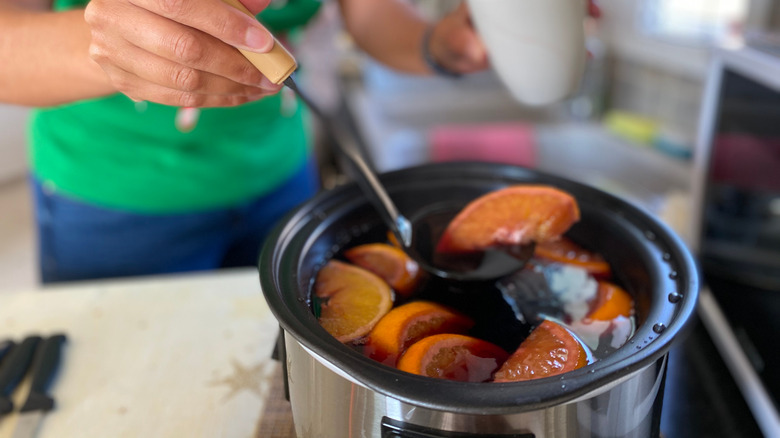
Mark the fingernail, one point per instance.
(258, 39)
(266, 83)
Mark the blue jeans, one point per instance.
(78, 241)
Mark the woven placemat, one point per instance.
(276, 419)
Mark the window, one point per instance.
(693, 21)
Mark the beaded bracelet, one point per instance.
(428, 57)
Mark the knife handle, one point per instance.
(278, 64)
(5, 348)
(44, 368)
(14, 369)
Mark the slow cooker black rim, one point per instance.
(677, 267)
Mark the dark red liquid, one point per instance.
(507, 310)
(495, 262)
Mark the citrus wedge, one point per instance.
(566, 251)
(611, 301)
(407, 324)
(549, 350)
(392, 240)
(514, 215)
(453, 357)
(388, 262)
(353, 300)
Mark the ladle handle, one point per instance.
(367, 179)
(277, 64)
(398, 224)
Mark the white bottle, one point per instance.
(537, 47)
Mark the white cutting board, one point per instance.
(184, 356)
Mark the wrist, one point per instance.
(430, 60)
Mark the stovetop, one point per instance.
(701, 397)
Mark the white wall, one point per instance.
(653, 77)
(13, 144)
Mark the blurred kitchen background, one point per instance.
(631, 128)
(652, 92)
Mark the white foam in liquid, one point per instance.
(593, 332)
(574, 287)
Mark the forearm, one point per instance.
(46, 58)
(391, 31)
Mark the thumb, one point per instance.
(473, 47)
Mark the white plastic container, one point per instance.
(537, 47)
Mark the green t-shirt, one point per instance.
(116, 153)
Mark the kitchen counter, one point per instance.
(190, 356)
(180, 356)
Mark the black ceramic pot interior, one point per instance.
(647, 259)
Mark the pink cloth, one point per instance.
(747, 161)
(499, 143)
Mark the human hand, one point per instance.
(180, 52)
(455, 45)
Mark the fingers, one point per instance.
(171, 41)
(215, 18)
(152, 68)
(465, 52)
(149, 57)
(456, 45)
(466, 44)
(139, 89)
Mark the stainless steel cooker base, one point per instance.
(323, 406)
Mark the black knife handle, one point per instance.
(44, 369)
(5, 348)
(13, 370)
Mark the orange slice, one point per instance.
(393, 240)
(611, 301)
(407, 324)
(548, 351)
(566, 251)
(514, 215)
(453, 357)
(354, 300)
(388, 262)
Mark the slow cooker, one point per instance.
(336, 392)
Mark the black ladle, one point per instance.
(417, 237)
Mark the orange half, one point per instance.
(453, 357)
(514, 215)
(388, 262)
(393, 240)
(549, 350)
(407, 324)
(566, 251)
(353, 300)
(611, 301)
